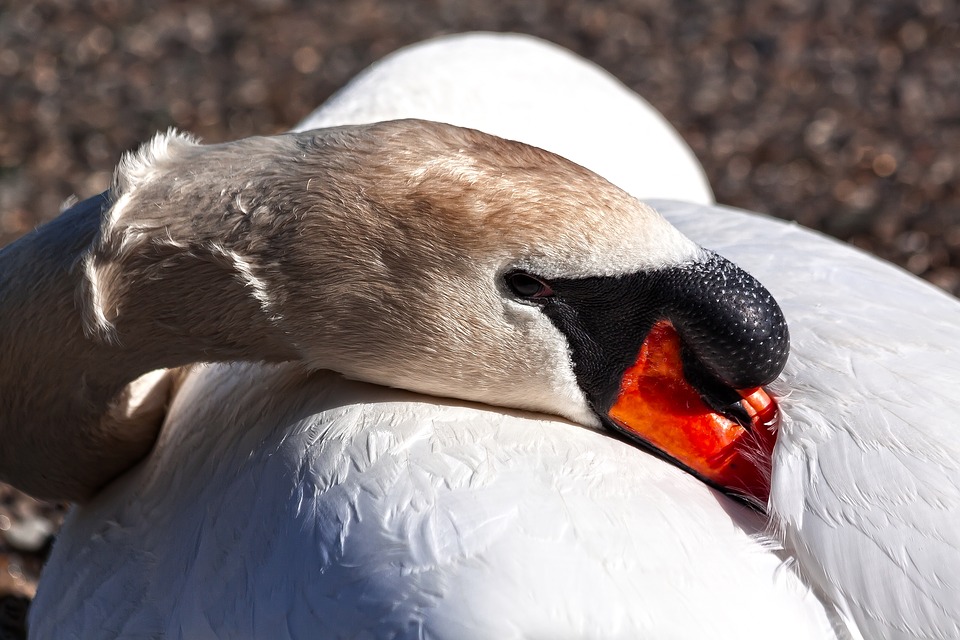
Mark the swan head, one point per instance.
(450, 262)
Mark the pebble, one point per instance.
(29, 534)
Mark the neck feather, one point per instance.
(66, 423)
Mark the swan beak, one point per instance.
(659, 407)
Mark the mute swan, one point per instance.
(233, 514)
(528, 291)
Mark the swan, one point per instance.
(228, 512)
(526, 289)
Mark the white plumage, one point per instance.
(285, 504)
(866, 484)
(282, 505)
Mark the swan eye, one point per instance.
(526, 286)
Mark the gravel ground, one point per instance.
(842, 115)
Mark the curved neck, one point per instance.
(65, 428)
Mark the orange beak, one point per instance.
(659, 407)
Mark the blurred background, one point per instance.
(841, 115)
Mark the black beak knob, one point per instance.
(729, 322)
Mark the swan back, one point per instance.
(523, 88)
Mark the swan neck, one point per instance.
(62, 384)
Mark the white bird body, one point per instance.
(279, 503)
(285, 505)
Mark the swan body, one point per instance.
(282, 503)
(379, 513)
